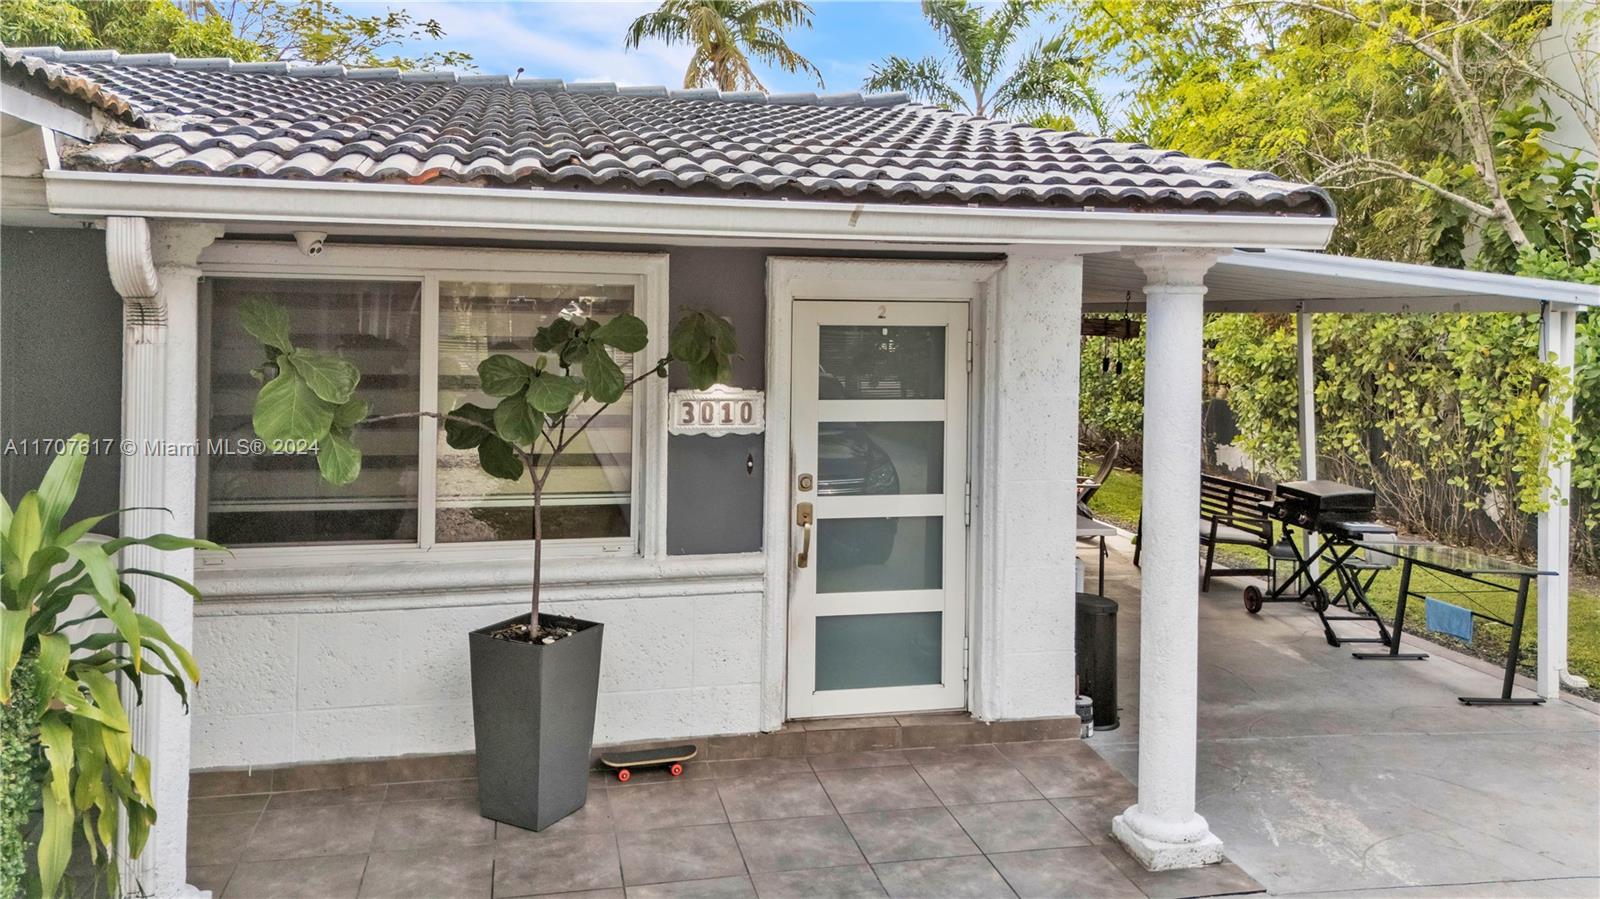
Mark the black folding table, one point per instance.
(1476, 568)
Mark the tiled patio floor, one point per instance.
(1029, 819)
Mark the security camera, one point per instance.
(310, 242)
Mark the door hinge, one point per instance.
(969, 350)
(966, 658)
(967, 517)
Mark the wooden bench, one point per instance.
(1231, 514)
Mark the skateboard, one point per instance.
(671, 756)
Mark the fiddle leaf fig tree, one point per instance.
(545, 401)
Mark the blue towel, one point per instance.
(1449, 619)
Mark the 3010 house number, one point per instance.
(717, 411)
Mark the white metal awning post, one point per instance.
(1558, 336)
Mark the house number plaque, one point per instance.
(717, 411)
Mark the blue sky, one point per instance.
(582, 41)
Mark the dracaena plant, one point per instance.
(69, 627)
(545, 401)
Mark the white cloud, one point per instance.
(577, 41)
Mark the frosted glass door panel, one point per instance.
(876, 458)
(869, 362)
(856, 555)
(859, 651)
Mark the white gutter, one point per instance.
(433, 207)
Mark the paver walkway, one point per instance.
(1324, 773)
(1027, 819)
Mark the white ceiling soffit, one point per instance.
(1295, 281)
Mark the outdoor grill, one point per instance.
(1322, 505)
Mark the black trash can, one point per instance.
(1097, 657)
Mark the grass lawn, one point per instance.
(1118, 502)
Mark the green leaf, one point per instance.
(552, 394)
(338, 459)
(55, 838)
(108, 594)
(498, 459)
(464, 436)
(267, 322)
(552, 335)
(23, 538)
(332, 379)
(515, 421)
(13, 630)
(154, 630)
(179, 582)
(351, 414)
(502, 375)
(60, 484)
(54, 653)
(625, 332)
(164, 542)
(689, 341)
(289, 414)
(602, 375)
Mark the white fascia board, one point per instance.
(1441, 282)
(525, 211)
(27, 106)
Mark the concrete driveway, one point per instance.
(1325, 774)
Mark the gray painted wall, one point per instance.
(60, 357)
(713, 497)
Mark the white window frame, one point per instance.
(647, 273)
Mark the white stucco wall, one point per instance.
(314, 682)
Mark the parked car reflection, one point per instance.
(851, 463)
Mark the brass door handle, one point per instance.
(804, 518)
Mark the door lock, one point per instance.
(805, 483)
(804, 518)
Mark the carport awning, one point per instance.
(1297, 281)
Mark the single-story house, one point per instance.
(907, 285)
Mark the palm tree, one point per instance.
(1047, 85)
(726, 36)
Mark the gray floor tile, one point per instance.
(679, 853)
(946, 878)
(1058, 776)
(683, 804)
(220, 839)
(595, 816)
(454, 872)
(337, 796)
(1092, 814)
(717, 888)
(782, 796)
(227, 805)
(908, 834)
(431, 822)
(433, 789)
(326, 877)
(845, 882)
(1017, 826)
(556, 863)
(1082, 871)
(321, 830)
(875, 758)
(984, 753)
(789, 844)
(738, 768)
(964, 783)
(877, 789)
(210, 877)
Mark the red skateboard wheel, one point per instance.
(677, 769)
(624, 775)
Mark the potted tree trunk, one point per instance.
(535, 677)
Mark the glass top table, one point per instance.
(1451, 559)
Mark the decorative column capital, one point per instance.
(1176, 268)
(140, 256)
(179, 244)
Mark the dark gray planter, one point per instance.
(533, 720)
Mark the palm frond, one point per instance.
(924, 79)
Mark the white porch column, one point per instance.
(1026, 660)
(1558, 335)
(1162, 829)
(1305, 365)
(155, 270)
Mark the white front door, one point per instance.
(877, 602)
